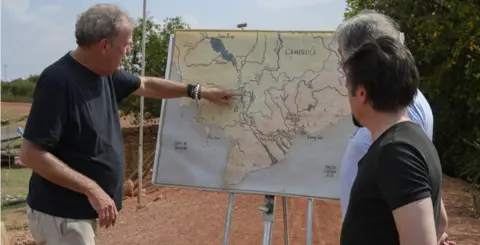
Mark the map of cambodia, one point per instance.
(291, 88)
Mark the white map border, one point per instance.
(335, 194)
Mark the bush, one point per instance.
(19, 90)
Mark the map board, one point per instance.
(285, 135)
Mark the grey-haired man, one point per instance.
(73, 142)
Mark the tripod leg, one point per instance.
(268, 216)
(286, 239)
(309, 222)
(229, 219)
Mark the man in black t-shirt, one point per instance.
(73, 142)
(396, 196)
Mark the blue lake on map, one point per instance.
(219, 47)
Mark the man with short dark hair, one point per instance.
(396, 196)
(73, 141)
(369, 24)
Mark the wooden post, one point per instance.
(5, 237)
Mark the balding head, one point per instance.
(101, 21)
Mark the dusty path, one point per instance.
(185, 216)
(182, 216)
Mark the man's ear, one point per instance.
(103, 45)
(362, 93)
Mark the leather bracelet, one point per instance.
(191, 90)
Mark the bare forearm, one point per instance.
(53, 169)
(155, 87)
(415, 223)
(443, 221)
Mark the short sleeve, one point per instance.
(403, 175)
(48, 115)
(125, 83)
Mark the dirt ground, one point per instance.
(185, 216)
(15, 113)
(16, 108)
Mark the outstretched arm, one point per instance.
(154, 87)
(159, 88)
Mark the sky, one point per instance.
(35, 33)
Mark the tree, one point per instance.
(444, 37)
(156, 47)
(19, 90)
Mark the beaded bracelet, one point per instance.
(197, 92)
(193, 91)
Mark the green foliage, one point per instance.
(157, 40)
(444, 37)
(473, 174)
(19, 90)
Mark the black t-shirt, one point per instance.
(74, 116)
(400, 167)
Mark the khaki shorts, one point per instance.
(51, 230)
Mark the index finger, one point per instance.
(112, 216)
(235, 93)
(115, 213)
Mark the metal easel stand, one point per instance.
(268, 217)
(229, 218)
(286, 233)
(308, 239)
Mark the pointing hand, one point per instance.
(218, 95)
